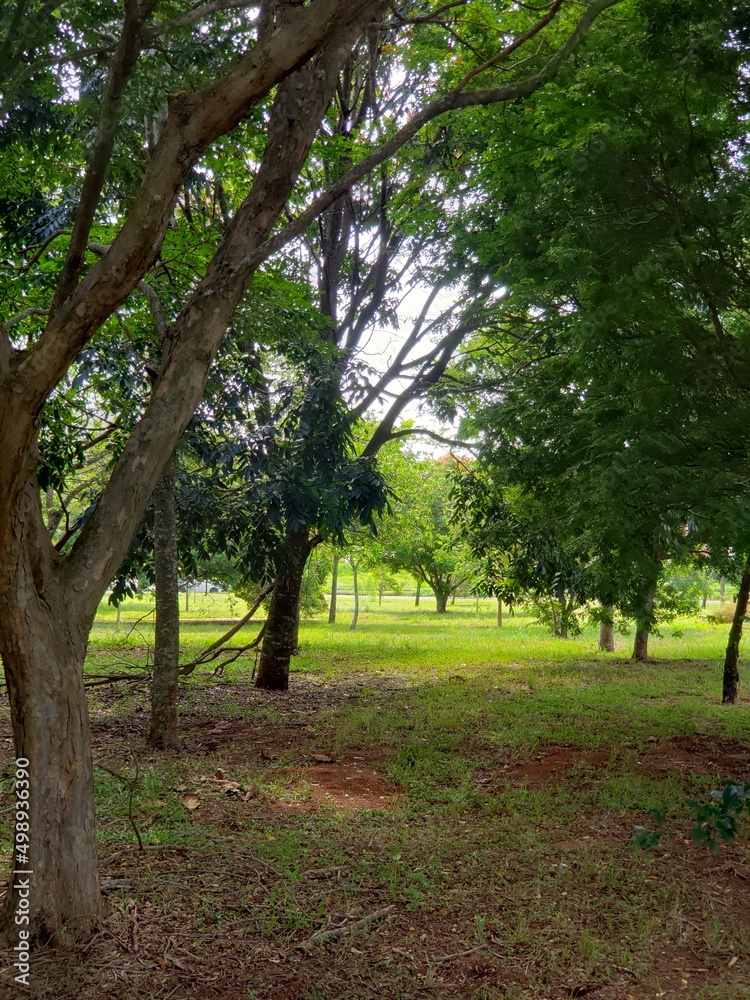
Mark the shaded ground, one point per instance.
(486, 871)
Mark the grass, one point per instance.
(516, 766)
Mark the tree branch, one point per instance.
(194, 121)
(453, 101)
(120, 71)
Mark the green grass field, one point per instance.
(469, 792)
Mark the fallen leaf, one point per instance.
(219, 773)
(190, 801)
(733, 962)
(322, 758)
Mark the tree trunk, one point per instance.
(731, 659)
(555, 620)
(163, 731)
(43, 646)
(441, 599)
(419, 588)
(282, 624)
(722, 589)
(499, 613)
(380, 596)
(355, 583)
(476, 606)
(334, 586)
(607, 630)
(643, 624)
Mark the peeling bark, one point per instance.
(43, 646)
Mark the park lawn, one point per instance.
(471, 789)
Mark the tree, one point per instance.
(417, 535)
(48, 598)
(617, 380)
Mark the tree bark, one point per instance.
(723, 585)
(334, 586)
(441, 599)
(643, 625)
(419, 588)
(731, 660)
(163, 731)
(43, 646)
(282, 624)
(499, 613)
(607, 631)
(355, 582)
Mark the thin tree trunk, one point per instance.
(355, 581)
(722, 589)
(380, 596)
(334, 587)
(187, 597)
(643, 625)
(163, 730)
(476, 606)
(731, 659)
(705, 599)
(282, 624)
(555, 621)
(607, 630)
(499, 613)
(419, 588)
(43, 647)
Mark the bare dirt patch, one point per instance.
(725, 759)
(728, 759)
(551, 764)
(343, 786)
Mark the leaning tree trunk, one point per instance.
(282, 624)
(731, 659)
(163, 731)
(643, 625)
(607, 630)
(43, 646)
(334, 588)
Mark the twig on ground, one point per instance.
(346, 928)
(100, 679)
(459, 954)
(144, 847)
